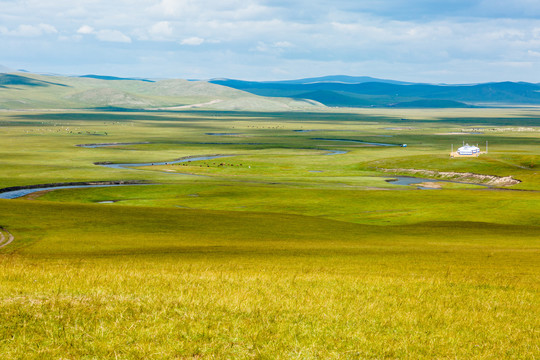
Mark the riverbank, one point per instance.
(14, 192)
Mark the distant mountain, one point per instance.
(340, 79)
(380, 93)
(12, 79)
(39, 91)
(34, 91)
(105, 77)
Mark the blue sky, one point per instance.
(452, 41)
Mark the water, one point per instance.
(23, 192)
(92, 146)
(357, 141)
(336, 152)
(222, 134)
(126, 166)
(409, 180)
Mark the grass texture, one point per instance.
(276, 252)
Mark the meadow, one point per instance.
(293, 245)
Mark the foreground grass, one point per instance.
(280, 252)
(171, 283)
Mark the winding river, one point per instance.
(336, 152)
(188, 159)
(92, 146)
(357, 141)
(14, 194)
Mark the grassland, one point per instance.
(278, 250)
(33, 91)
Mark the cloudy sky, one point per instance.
(451, 41)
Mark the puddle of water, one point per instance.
(316, 171)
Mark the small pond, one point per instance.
(409, 180)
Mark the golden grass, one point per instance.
(273, 261)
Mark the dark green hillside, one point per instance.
(104, 77)
(34, 91)
(339, 79)
(15, 80)
(383, 93)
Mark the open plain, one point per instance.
(270, 234)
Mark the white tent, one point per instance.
(468, 150)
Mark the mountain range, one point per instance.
(34, 91)
(24, 90)
(366, 91)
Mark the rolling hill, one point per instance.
(345, 79)
(344, 91)
(33, 91)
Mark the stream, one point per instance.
(14, 194)
(357, 141)
(130, 165)
(409, 180)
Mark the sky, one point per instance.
(434, 41)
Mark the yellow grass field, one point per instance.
(283, 249)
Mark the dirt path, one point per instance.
(192, 106)
(6, 238)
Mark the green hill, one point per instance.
(32, 91)
(384, 93)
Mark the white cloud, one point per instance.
(275, 48)
(112, 36)
(85, 29)
(283, 44)
(193, 41)
(161, 31)
(104, 35)
(379, 38)
(25, 30)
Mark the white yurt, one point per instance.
(468, 150)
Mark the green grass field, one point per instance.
(277, 251)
